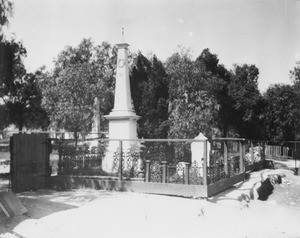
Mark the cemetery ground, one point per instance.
(98, 213)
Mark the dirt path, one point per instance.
(91, 213)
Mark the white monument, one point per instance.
(122, 119)
(197, 148)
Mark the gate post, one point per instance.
(205, 162)
(225, 158)
(263, 154)
(242, 153)
(164, 171)
(147, 175)
(186, 172)
(259, 150)
(252, 152)
(121, 161)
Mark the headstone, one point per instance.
(10, 204)
(198, 150)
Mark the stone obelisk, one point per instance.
(122, 119)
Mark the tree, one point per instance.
(18, 90)
(24, 104)
(80, 75)
(217, 87)
(190, 106)
(295, 76)
(149, 89)
(69, 99)
(12, 68)
(247, 101)
(4, 122)
(139, 77)
(281, 114)
(295, 73)
(7, 51)
(6, 8)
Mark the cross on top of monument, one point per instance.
(123, 33)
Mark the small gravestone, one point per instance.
(10, 204)
(197, 148)
(297, 171)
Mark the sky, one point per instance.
(261, 32)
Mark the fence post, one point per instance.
(242, 149)
(225, 158)
(147, 175)
(59, 172)
(121, 160)
(263, 155)
(205, 162)
(252, 152)
(186, 172)
(164, 171)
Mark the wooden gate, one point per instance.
(29, 161)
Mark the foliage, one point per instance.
(218, 88)
(281, 114)
(11, 64)
(80, 75)
(247, 101)
(24, 104)
(149, 87)
(190, 106)
(6, 8)
(4, 122)
(295, 76)
(295, 73)
(19, 89)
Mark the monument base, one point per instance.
(122, 126)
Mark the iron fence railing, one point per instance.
(5, 178)
(178, 161)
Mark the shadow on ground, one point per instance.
(43, 203)
(224, 196)
(37, 209)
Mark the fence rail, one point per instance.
(206, 166)
(174, 161)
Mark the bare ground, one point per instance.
(95, 213)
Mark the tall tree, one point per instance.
(247, 101)
(4, 121)
(295, 76)
(190, 106)
(18, 89)
(149, 89)
(7, 52)
(80, 75)
(281, 114)
(295, 73)
(218, 87)
(6, 8)
(24, 104)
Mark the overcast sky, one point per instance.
(261, 32)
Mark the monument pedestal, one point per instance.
(120, 127)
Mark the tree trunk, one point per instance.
(224, 132)
(20, 125)
(76, 138)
